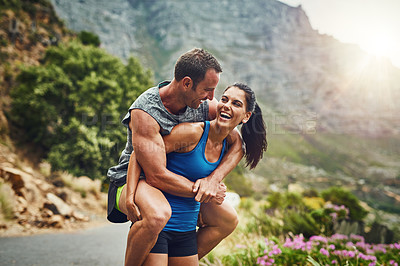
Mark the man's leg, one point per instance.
(219, 222)
(155, 211)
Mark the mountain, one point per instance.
(312, 81)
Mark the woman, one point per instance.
(194, 150)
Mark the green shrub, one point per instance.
(340, 196)
(88, 38)
(237, 182)
(71, 106)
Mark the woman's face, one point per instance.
(231, 109)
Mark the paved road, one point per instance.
(103, 246)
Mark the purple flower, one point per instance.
(324, 252)
(339, 237)
(392, 262)
(319, 238)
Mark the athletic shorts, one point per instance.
(176, 244)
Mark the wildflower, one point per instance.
(331, 246)
(357, 237)
(324, 252)
(334, 262)
(319, 238)
(392, 262)
(339, 237)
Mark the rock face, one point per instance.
(312, 79)
(34, 203)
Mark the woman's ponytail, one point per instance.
(254, 137)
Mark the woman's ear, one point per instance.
(246, 117)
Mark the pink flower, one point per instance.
(324, 252)
(319, 238)
(331, 246)
(334, 262)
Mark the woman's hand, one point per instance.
(133, 211)
(209, 191)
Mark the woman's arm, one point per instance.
(183, 137)
(132, 180)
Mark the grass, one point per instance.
(5, 204)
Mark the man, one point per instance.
(189, 97)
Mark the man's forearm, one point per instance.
(171, 183)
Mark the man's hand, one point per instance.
(208, 190)
(133, 211)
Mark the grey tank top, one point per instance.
(150, 102)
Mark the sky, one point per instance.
(372, 24)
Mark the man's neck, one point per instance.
(171, 98)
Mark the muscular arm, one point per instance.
(150, 153)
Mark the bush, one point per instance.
(88, 38)
(237, 182)
(340, 196)
(71, 105)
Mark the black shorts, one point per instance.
(176, 244)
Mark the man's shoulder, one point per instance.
(150, 95)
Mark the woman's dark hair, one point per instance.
(254, 131)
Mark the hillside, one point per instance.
(32, 197)
(271, 46)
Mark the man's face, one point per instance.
(204, 90)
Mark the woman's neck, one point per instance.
(217, 134)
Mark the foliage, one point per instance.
(31, 7)
(5, 204)
(335, 250)
(88, 38)
(237, 182)
(72, 103)
(342, 196)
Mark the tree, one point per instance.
(71, 106)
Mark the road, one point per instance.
(103, 246)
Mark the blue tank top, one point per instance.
(192, 165)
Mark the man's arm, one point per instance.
(150, 153)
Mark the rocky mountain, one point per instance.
(312, 81)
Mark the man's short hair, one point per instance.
(195, 64)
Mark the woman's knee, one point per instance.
(157, 217)
(223, 216)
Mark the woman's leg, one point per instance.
(184, 261)
(155, 211)
(155, 259)
(218, 221)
